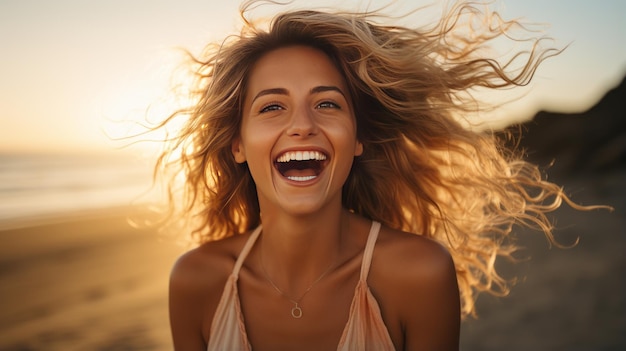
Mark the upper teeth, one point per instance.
(301, 156)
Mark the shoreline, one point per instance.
(52, 218)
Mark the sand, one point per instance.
(89, 281)
(85, 281)
(566, 299)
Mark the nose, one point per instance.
(302, 123)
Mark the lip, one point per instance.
(303, 150)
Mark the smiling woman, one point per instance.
(337, 201)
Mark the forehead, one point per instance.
(294, 65)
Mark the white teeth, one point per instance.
(301, 156)
(301, 179)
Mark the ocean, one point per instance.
(36, 185)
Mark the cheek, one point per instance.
(344, 133)
(258, 147)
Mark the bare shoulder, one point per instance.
(414, 256)
(196, 284)
(210, 262)
(415, 280)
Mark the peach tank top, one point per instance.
(365, 329)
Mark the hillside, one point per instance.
(593, 140)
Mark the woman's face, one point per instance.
(298, 132)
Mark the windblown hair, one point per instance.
(421, 171)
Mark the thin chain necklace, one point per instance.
(296, 311)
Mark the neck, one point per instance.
(297, 250)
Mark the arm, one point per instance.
(432, 303)
(185, 306)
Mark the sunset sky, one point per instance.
(69, 67)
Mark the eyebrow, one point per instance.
(323, 88)
(279, 91)
(283, 91)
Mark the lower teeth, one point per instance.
(301, 179)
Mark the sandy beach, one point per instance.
(90, 281)
(86, 281)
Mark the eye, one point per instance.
(328, 104)
(271, 107)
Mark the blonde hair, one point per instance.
(421, 171)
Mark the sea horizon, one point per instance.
(48, 183)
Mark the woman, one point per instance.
(337, 199)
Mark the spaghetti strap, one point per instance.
(365, 329)
(228, 330)
(369, 250)
(246, 249)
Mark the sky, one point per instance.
(74, 74)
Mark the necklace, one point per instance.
(296, 311)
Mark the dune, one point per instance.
(568, 298)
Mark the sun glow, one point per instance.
(132, 116)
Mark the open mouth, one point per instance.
(301, 166)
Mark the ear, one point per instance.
(238, 151)
(358, 150)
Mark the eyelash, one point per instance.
(324, 104)
(271, 107)
(329, 104)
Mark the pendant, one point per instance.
(296, 312)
